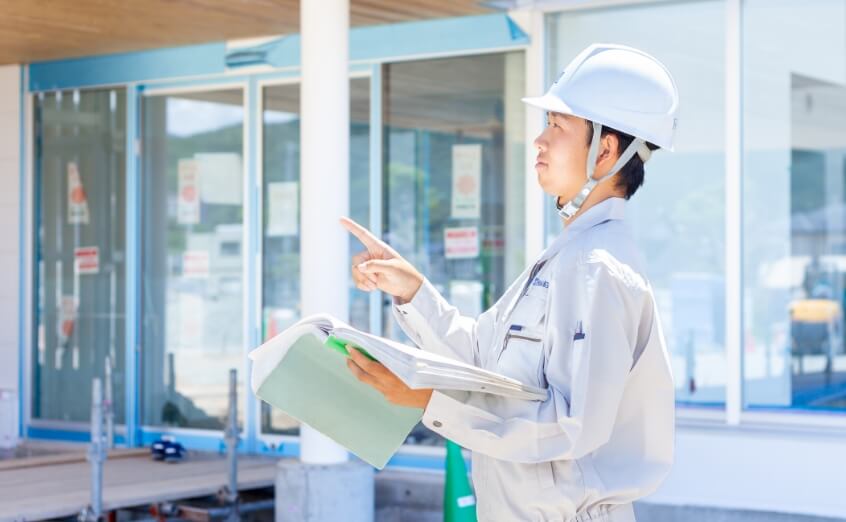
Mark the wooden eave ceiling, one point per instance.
(38, 30)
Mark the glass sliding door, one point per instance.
(80, 158)
(454, 178)
(280, 222)
(454, 158)
(192, 270)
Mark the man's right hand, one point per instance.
(381, 267)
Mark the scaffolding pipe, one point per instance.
(96, 454)
(232, 443)
(108, 406)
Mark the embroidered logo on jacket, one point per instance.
(540, 282)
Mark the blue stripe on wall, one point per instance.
(384, 42)
(372, 43)
(193, 60)
(444, 36)
(66, 435)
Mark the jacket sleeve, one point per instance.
(437, 326)
(586, 379)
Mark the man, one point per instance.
(581, 321)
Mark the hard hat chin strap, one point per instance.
(637, 146)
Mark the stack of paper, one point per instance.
(420, 369)
(303, 372)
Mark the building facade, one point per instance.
(155, 203)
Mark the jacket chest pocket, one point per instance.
(521, 354)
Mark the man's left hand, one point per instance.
(375, 374)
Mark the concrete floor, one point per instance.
(405, 496)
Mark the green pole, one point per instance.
(459, 500)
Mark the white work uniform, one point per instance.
(586, 327)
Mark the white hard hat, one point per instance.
(621, 88)
(618, 87)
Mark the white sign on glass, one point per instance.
(77, 199)
(461, 242)
(188, 207)
(466, 181)
(283, 208)
(221, 177)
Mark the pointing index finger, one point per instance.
(365, 236)
(373, 244)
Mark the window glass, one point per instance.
(678, 215)
(794, 204)
(192, 264)
(454, 178)
(80, 250)
(281, 230)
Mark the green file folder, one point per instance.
(313, 384)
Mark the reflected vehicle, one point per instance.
(816, 327)
(816, 321)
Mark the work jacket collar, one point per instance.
(606, 210)
(610, 209)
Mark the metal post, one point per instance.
(231, 438)
(96, 454)
(108, 406)
(171, 376)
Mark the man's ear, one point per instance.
(609, 149)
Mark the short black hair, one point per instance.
(630, 176)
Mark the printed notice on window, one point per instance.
(86, 260)
(221, 177)
(466, 181)
(195, 264)
(461, 242)
(188, 206)
(77, 199)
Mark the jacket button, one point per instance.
(437, 424)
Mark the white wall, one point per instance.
(10, 125)
(765, 468)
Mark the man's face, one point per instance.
(562, 155)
